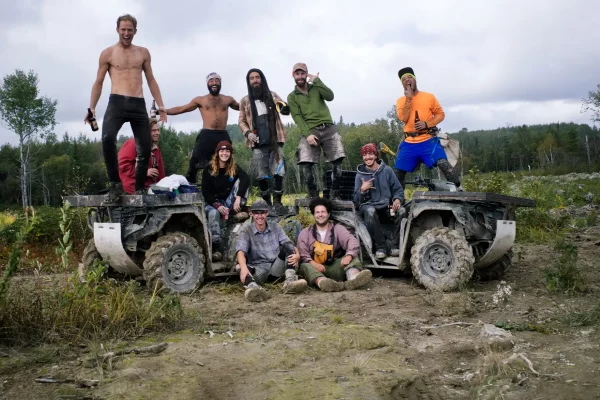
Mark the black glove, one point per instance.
(284, 109)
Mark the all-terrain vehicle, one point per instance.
(162, 240)
(445, 236)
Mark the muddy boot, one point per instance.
(292, 284)
(115, 191)
(216, 252)
(266, 196)
(334, 195)
(312, 194)
(329, 285)
(359, 280)
(255, 293)
(277, 204)
(240, 217)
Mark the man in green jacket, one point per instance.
(311, 114)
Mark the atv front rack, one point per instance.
(140, 200)
(474, 196)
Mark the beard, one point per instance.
(257, 91)
(300, 84)
(214, 92)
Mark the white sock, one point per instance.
(351, 273)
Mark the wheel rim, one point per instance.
(180, 266)
(437, 259)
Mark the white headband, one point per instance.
(212, 75)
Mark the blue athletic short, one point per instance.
(409, 154)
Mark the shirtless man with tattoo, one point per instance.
(125, 62)
(214, 109)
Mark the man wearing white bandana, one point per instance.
(214, 109)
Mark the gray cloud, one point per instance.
(488, 63)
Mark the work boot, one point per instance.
(312, 194)
(115, 191)
(359, 280)
(292, 284)
(329, 285)
(277, 204)
(334, 195)
(216, 252)
(255, 293)
(240, 217)
(266, 196)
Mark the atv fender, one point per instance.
(504, 240)
(107, 238)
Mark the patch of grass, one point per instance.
(535, 225)
(565, 275)
(450, 304)
(583, 318)
(337, 319)
(84, 307)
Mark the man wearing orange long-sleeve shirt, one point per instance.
(420, 111)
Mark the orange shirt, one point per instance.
(429, 109)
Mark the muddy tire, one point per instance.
(175, 262)
(496, 270)
(441, 259)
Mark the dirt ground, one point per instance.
(387, 341)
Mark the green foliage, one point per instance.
(475, 182)
(64, 241)
(592, 103)
(15, 257)
(564, 275)
(20, 107)
(86, 306)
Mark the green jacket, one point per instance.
(309, 110)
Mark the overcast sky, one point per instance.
(489, 63)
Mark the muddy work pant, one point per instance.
(372, 219)
(122, 109)
(333, 271)
(262, 272)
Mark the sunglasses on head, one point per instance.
(259, 212)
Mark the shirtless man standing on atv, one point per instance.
(125, 62)
(214, 109)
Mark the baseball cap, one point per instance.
(300, 66)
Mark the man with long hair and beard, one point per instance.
(224, 187)
(214, 109)
(260, 123)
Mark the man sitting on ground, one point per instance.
(127, 162)
(375, 187)
(329, 253)
(263, 249)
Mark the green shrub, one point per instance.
(564, 275)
